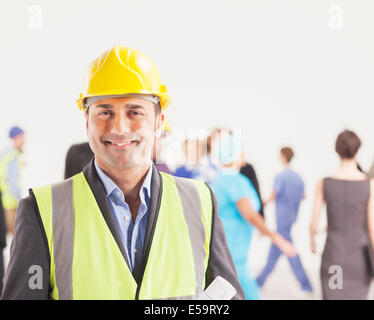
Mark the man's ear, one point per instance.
(159, 124)
(86, 117)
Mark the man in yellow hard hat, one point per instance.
(120, 229)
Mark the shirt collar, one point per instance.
(110, 186)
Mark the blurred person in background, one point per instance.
(206, 170)
(2, 244)
(10, 176)
(238, 205)
(77, 157)
(370, 174)
(248, 170)
(349, 198)
(158, 147)
(192, 152)
(199, 164)
(288, 191)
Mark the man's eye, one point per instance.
(134, 113)
(104, 113)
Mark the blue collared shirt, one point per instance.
(132, 234)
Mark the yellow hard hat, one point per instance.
(121, 71)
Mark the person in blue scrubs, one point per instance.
(238, 205)
(288, 191)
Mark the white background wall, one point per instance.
(287, 72)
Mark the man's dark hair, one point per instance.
(288, 153)
(347, 144)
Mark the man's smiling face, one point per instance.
(121, 131)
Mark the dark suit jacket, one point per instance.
(2, 226)
(30, 247)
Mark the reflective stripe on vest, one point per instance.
(86, 262)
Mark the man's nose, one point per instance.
(121, 124)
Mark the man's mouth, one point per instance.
(120, 144)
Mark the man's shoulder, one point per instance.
(26, 210)
(281, 175)
(26, 202)
(296, 175)
(8, 151)
(45, 189)
(49, 185)
(288, 173)
(289, 177)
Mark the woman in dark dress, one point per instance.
(348, 194)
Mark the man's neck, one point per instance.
(129, 179)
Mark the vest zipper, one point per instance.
(148, 248)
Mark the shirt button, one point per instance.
(135, 250)
(118, 193)
(127, 218)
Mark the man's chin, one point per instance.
(126, 164)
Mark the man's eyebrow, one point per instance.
(134, 106)
(104, 106)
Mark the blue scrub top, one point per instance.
(289, 189)
(229, 187)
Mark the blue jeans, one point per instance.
(295, 263)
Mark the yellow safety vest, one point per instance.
(10, 202)
(86, 262)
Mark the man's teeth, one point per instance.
(121, 144)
